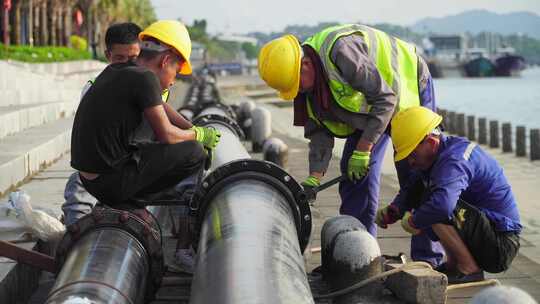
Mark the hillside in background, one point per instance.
(478, 21)
(518, 30)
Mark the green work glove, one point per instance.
(208, 137)
(358, 165)
(408, 225)
(311, 181)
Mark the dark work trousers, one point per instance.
(492, 250)
(361, 199)
(154, 168)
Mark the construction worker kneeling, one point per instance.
(112, 168)
(459, 196)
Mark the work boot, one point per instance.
(457, 277)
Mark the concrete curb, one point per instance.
(29, 151)
(16, 119)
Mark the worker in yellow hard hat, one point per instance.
(122, 45)
(114, 169)
(347, 81)
(460, 196)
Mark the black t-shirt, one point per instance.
(108, 114)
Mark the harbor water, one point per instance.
(506, 99)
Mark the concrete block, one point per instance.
(15, 119)
(11, 173)
(9, 123)
(24, 155)
(8, 97)
(421, 285)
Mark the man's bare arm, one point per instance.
(175, 118)
(163, 129)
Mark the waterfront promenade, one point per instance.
(46, 188)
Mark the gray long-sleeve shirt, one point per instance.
(350, 55)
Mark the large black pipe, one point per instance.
(230, 147)
(109, 256)
(249, 249)
(106, 266)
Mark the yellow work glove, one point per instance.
(407, 224)
(207, 136)
(358, 165)
(387, 215)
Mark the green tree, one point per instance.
(197, 31)
(139, 11)
(250, 50)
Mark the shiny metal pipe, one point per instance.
(249, 250)
(230, 147)
(213, 110)
(105, 266)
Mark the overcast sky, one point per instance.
(241, 16)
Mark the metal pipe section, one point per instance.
(109, 256)
(106, 266)
(231, 148)
(249, 250)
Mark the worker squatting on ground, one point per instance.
(112, 167)
(348, 81)
(458, 194)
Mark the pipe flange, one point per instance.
(222, 120)
(190, 107)
(260, 170)
(216, 104)
(138, 223)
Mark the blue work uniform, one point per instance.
(463, 171)
(361, 199)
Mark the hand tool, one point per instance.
(311, 192)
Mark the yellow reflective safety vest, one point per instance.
(165, 95)
(396, 62)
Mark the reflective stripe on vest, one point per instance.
(395, 59)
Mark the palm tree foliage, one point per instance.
(51, 22)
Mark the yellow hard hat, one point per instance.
(279, 65)
(174, 34)
(410, 127)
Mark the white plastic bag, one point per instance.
(42, 225)
(10, 226)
